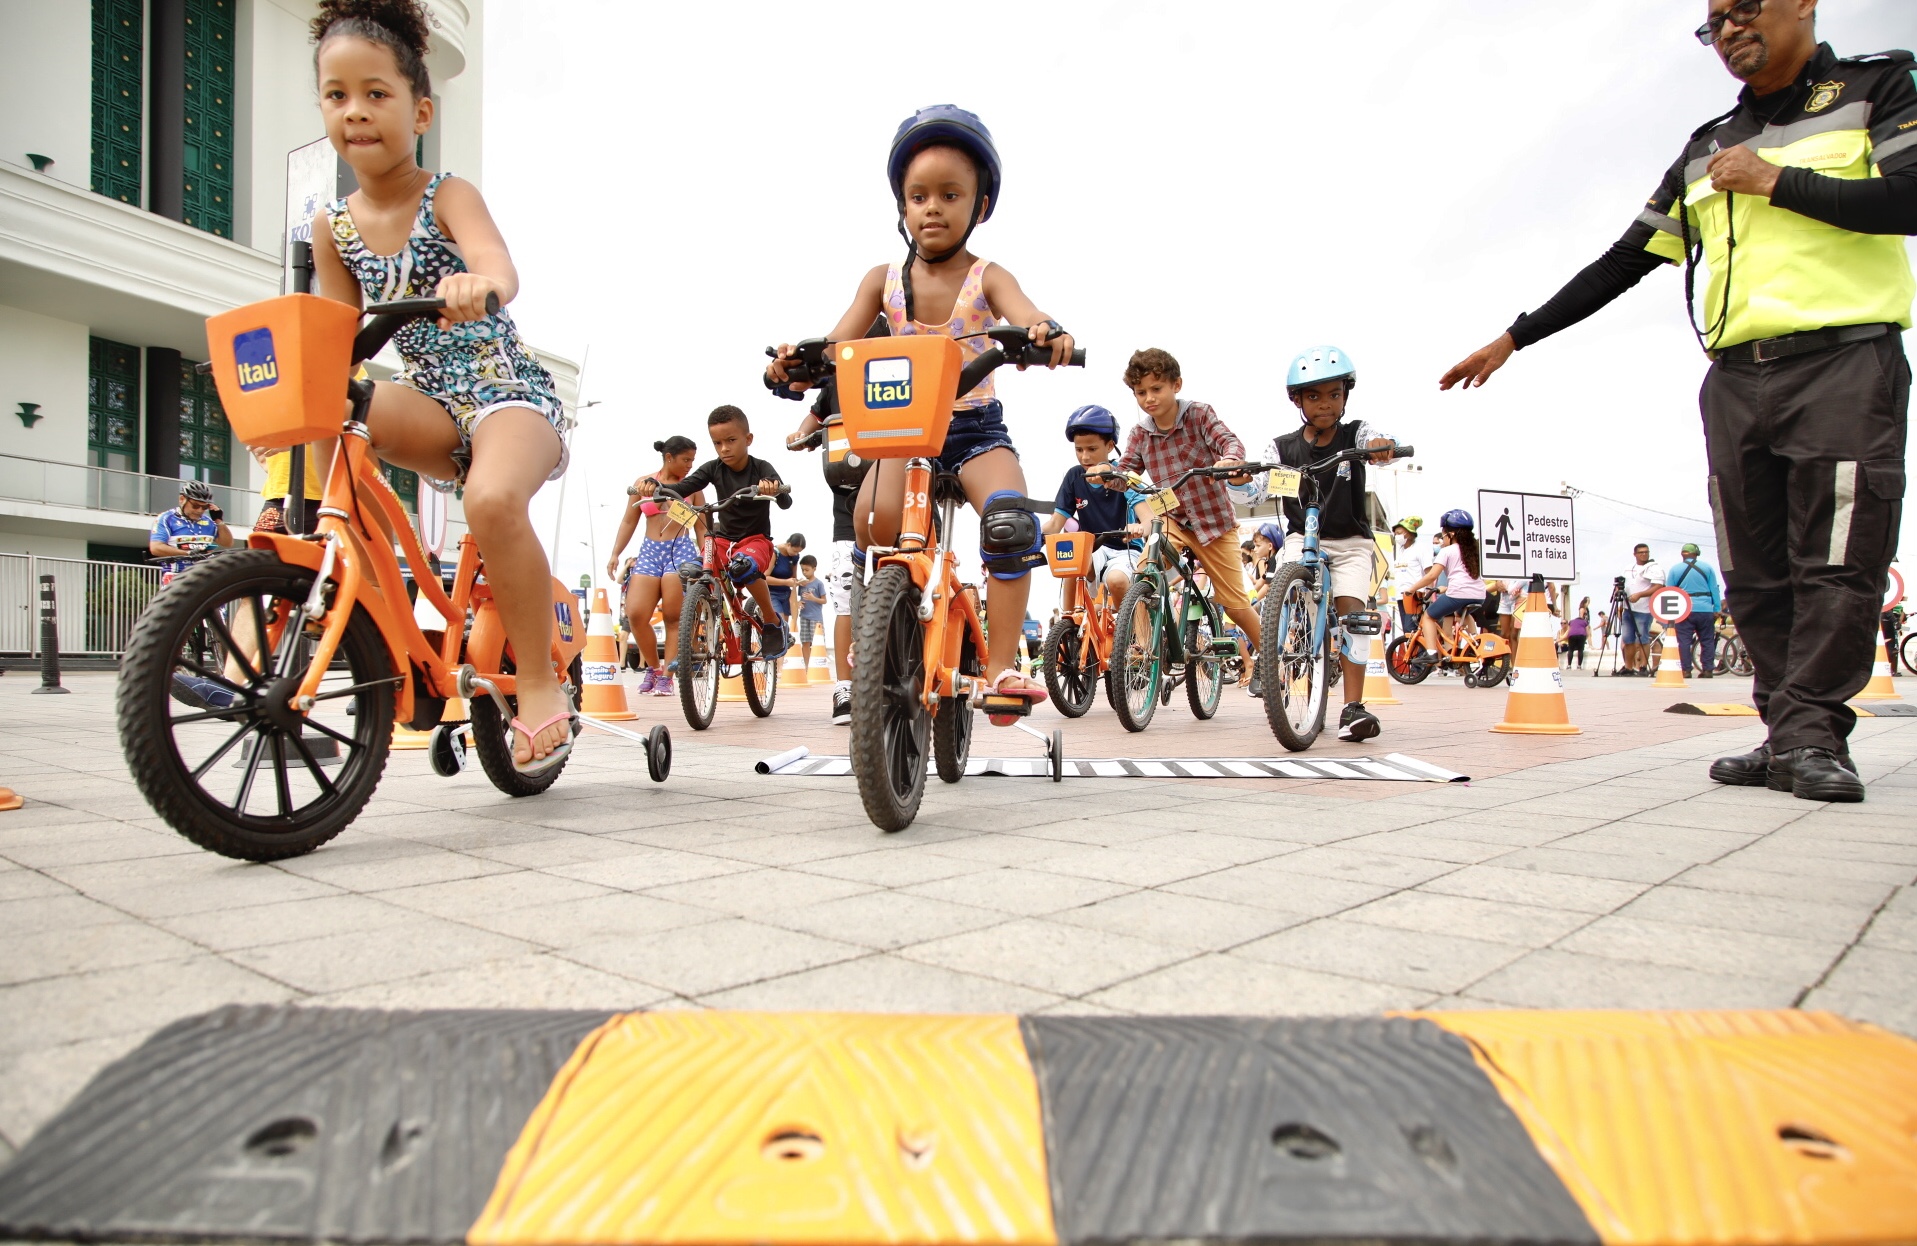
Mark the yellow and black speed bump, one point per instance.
(802, 1129)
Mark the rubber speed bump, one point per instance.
(1293, 1129)
(1709, 1127)
(781, 1127)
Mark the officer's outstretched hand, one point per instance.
(1477, 367)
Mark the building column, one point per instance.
(162, 440)
(166, 117)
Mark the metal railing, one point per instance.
(99, 602)
(108, 489)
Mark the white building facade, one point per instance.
(143, 188)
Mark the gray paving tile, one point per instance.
(1496, 921)
(1732, 910)
(257, 925)
(569, 923)
(1550, 978)
(24, 884)
(1000, 850)
(1875, 970)
(1896, 1010)
(1896, 931)
(1821, 865)
(1708, 949)
(1413, 959)
(1377, 868)
(38, 1083)
(1428, 843)
(353, 958)
(61, 951)
(1219, 847)
(1722, 876)
(1271, 885)
(758, 893)
(491, 893)
(534, 980)
(1126, 865)
(886, 920)
(62, 910)
(1180, 921)
(1047, 956)
(892, 867)
(882, 983)
(1027, 893)
(1502, 882)
(233, 886)
(641, 869)
(705, 959)
(127, 844)
(1233, 985)
(135, 999)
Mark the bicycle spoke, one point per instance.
(282, 787)
(356, 689)
(199, 772)
(312, 765)
(233, 650)
(225, 715)
(325, 730)
(252, 770)
(213, 676)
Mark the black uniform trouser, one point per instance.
(1807, 486)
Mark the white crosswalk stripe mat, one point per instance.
(1394, 767)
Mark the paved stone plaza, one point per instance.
(1602, 870)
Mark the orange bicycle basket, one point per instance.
(281, 366)
(896, 394)
(1069, 554)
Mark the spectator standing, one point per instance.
(1698, 632)
(811, 607)
(1642, 578)
(784, 575)
(1576, 632)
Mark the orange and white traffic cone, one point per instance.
(820, 671)
(604, 696)
(1377, 681)
(1535, 705)
(9, 799)
(1670, 663)
(1880, 687)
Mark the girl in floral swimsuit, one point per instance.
(472, 404)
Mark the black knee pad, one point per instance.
(1008, 537)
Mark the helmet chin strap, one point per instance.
(912, 250)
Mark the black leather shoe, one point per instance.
(1814, 774)
(1747, 770)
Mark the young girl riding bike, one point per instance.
(1457, 561)
(945, 179)
(654, 578)
(472, 404)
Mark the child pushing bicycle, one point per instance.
(1319, 382)
(471, 405)
(945, 175)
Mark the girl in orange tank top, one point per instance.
(945, 178)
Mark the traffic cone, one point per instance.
(1535, 705)
(9, 799)
(1377, 682)
(1880, 687)
(731, 688)
(795, 675)
(605, 696)
(1670, 663)
(821, 670)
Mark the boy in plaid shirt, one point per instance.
(1176, 436)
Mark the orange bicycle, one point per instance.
(920, 631)
(322, 650)
(1485, 655)
(1077, 653)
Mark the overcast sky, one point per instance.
(682, 185)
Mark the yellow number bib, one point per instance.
(1284, 482)
(1162, 503)
(681, 514)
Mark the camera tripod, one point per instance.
(1613, 642)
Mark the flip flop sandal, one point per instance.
(1034, 693)
(533, 769)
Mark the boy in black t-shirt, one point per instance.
(1093, 432)
(741, 533)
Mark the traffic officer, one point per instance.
(1798, 200)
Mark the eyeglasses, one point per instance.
(1743, 13)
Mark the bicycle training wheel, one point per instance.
(240, 772)
(493, 738)
(890, 724)
(1072, 685)
(1398, 662)
(1138, 667)
(702, 651)
(761, 674)
(1492, 671)
(1204, 669)
(1292, 666)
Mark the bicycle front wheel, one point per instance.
(1137, 655)
(761, 674)
(1292, 664)
(890, 724)
(216, 748)
(1204, 669)
(702, 650)
(1069, 676)
(1398, 662)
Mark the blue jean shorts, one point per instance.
(1637, 627)
(973, 432)
(1443, 606)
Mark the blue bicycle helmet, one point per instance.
(1273, 533)
(1458, 520)
(1092, 419)
(1321, 363)
(945, 125)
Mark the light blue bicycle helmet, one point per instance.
(1321, 363)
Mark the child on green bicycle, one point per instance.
(1319, 382)
(1093, 432)
(945, 178)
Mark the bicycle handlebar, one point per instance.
(809, 363)
(811, 441)
(389, 318)
(783, 497)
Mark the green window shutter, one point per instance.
(207, 199)
(404, 483)
(118, 127)
(206, 441)
(113, 404)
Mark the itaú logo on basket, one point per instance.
(562, 611)
(253, 357)
(888, 383)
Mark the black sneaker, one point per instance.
(1255, 682)
(1813, 774)
(774, 641)
(1358, 723)
(1745, 770)
(841, 706)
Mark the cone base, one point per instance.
(1868, 695)
(10, 799)
(405, 739)
(1537, 729)
(1386, 699)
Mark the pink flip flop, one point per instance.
(1034, 693)
(533, 769)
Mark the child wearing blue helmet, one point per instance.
(1093, 432)
(1318, 383)
(945, 177)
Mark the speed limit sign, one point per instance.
(1670, 606)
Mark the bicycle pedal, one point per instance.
(1362, 623)
(997, 707)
